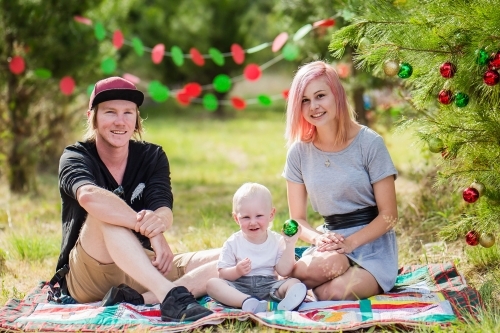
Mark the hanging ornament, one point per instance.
(238, 54)
(17, 65)
(158, 92)
(43, 73)
(157, 53)
(329, 22)
(364, 43)
(470, 195)
(138, 47)
(210, 102)
(99, 31)
(82, 20)
(343, 70)
(132, 78)
(486, 240)
(285, 93)
(461, 99)
(67, 85)
(491, 77)
(238, 103)
(193, 89)
(264, 100)
(436, 145)
(183, 97)
(279, 41)
(299, 34)
(118, 39)
(90, 89)
(445, 96)
(495, 61)
(482, 57)
(108, 65)
(479, 187)
(177, 55)
(222, 83)
(196, 57)
(472, 238)
(447, 70)
(290, 52)
(252, 72)
(258, 48)
(216, 56)
(390, 67)
(405, 70)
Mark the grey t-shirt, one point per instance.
(340, 182)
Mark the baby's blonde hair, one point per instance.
(248, 190)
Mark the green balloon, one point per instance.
(108, 65)
(99, 31)
(177, 55)
(264, 100)
(210, 102)
(222, 83)
(90, 88)
(43, 73)
(258, 48)
(216, 56)
(157, 91)
(138, 47)
(302, 32)
(290, 52)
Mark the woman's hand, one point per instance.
(328, 241)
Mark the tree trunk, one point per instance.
(359, 105)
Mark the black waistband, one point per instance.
(353, 219)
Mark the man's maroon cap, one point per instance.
(115, 88)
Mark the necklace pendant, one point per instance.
(327, 163)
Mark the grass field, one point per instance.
(209, 160)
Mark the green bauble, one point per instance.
(436, 145)
(461, 99)
(482, 57)
(390, 67)
(405, 70)
(290, 227)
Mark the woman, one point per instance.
(347, 172)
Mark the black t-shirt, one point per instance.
(146, 185)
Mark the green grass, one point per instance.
(209, 159)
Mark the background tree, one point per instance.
(35, 115)
(447, 53)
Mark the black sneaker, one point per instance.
(180, 305)
(120, 294)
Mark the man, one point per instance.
(116, 204)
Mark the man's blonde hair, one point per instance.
(248, 190)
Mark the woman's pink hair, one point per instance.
(297, 128)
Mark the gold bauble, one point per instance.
(391, 67)
(486, 240)
(479, 187)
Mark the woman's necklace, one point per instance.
(327, 162)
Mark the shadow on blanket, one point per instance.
(424, 295)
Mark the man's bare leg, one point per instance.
(201, 268)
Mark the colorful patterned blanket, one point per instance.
(424, 295)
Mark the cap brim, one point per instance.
(132, 95)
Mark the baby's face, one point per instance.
(254, 214)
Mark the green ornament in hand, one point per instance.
(290, 227)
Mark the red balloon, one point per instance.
(83, 20)
(238, 54)
(279, 41)
(183, 98)
(445, 96)
(285, 93)
(132, 78)
(197, 57)
(67, 85)
(447, 70)
(472, 238)
(238, 103)
(193, 89)
(470, 194)
(252, 72)
(495, 61)
(17, 65)
(118, 39)
(329, 22)
(491, 77)
(158, 53)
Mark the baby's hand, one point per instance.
(291, 240)
(244, 267)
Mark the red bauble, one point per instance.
(472, 238)
(495, 61)
(445, 96)
(447, 70)
(470, 194)
(491, 77)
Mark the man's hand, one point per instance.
(244, 267)
(164, 256)
(150, 224)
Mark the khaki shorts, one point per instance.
(88, 280)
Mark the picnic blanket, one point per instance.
(433, 294)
